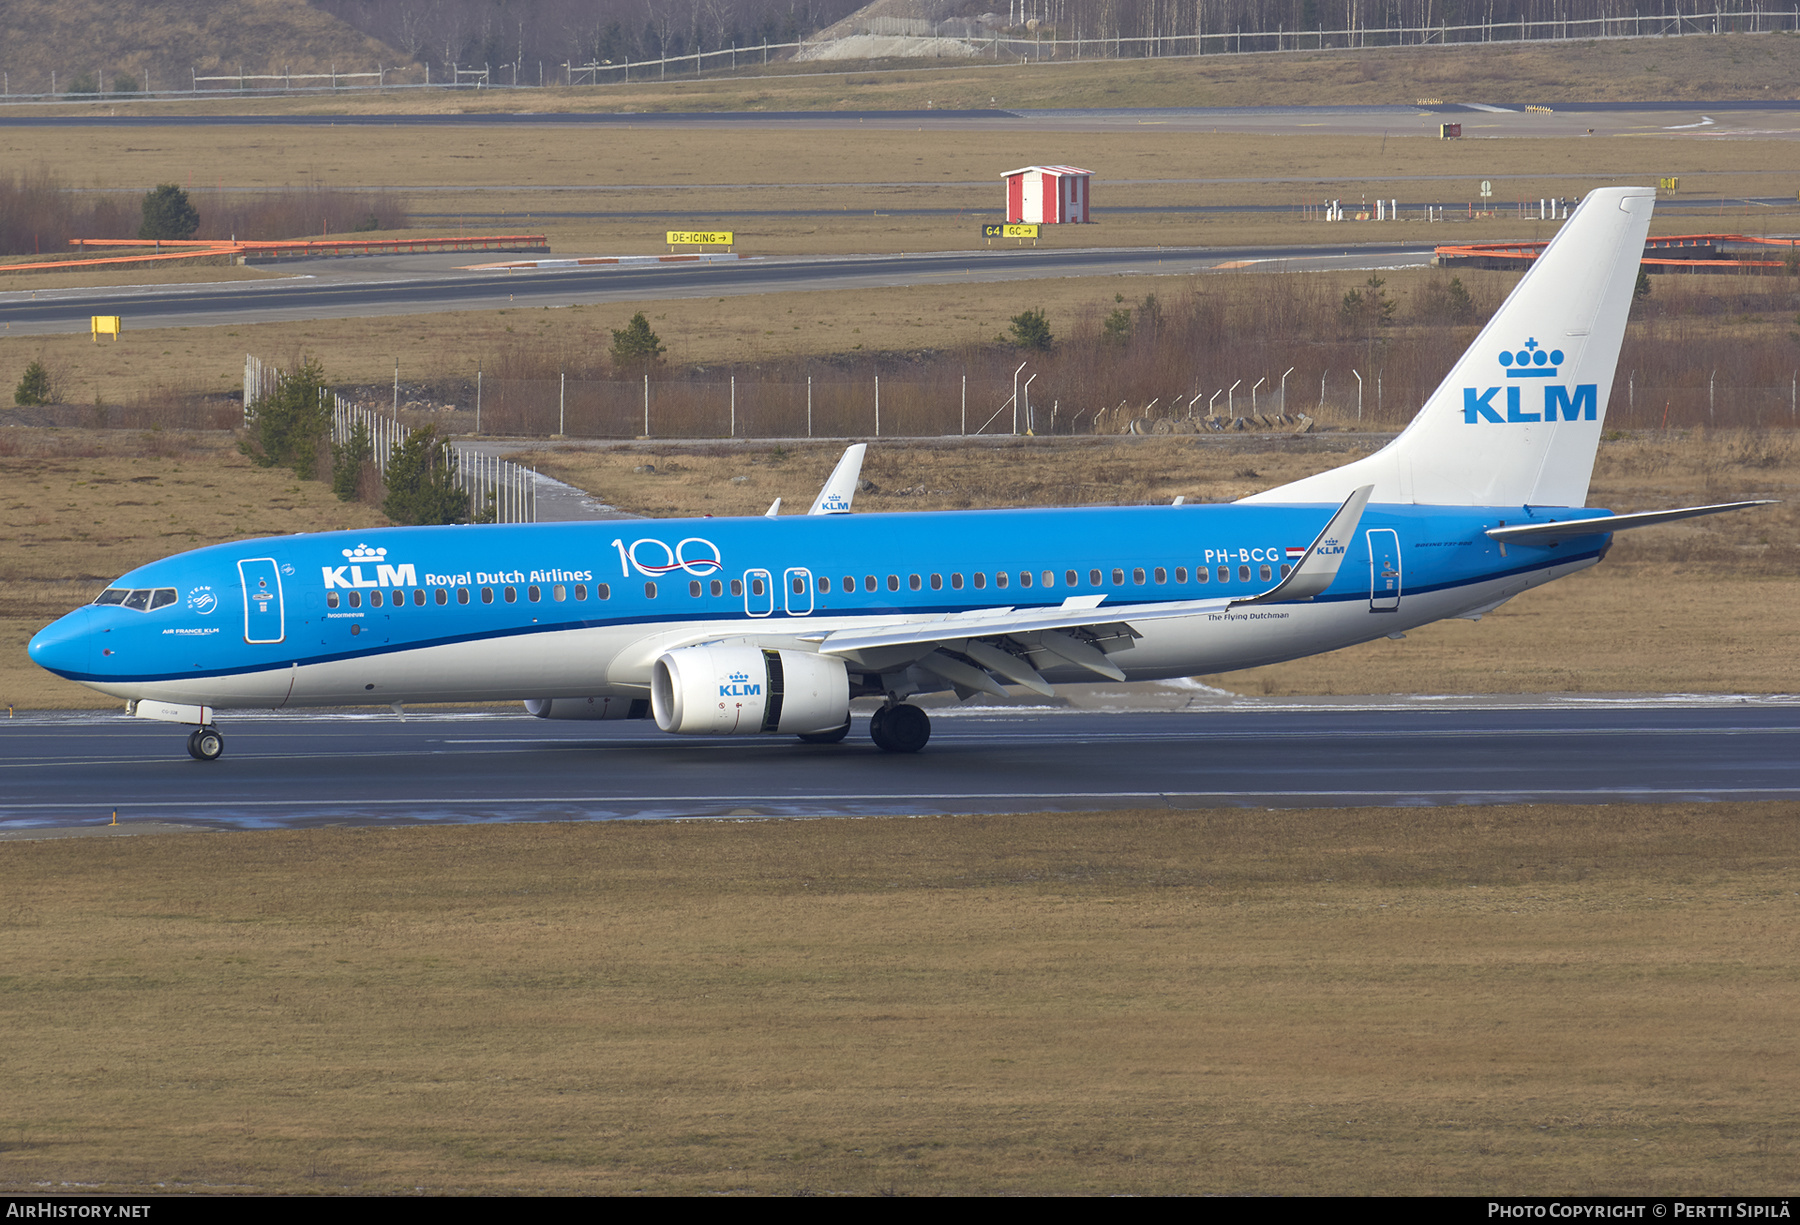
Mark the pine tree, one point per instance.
(290, 424)
(168, 214)
(421, 482)
(34, 389)
(1031, 330)
(347, 462)
(635, 346)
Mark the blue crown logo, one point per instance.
(363, 552)
(1531, 361)
(738, 678)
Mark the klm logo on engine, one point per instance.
(738, 685)
(350, 575)
(1557, 403)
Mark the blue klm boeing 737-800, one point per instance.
(773, 625)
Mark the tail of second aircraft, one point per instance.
(1518, 419)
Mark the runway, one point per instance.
(73, 771)
(411, 285)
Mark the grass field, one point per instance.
(1471, 1001)
(1731, 66)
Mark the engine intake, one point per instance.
(736, 689)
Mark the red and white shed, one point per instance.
(1047, 194)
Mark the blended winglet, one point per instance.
(1319, 566)
(840, 486)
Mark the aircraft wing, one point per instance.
(1005, 640)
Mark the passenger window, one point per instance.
(331, 599)
(1266, 576)
(1000, 578)
(581, 592)
(1118, 578)
(355, 599)
(956, 581)
(824, 585)
(511, 594)
(893, 582)
(1181, 574)
(603, 591)
(694, 588)
(559, 593)
(1243, 574)
(418, 597)
(869, 583)
(717, 587)
(462, 595)
(1070, 578)
(1093, 578)
(487, 595)
(649, 591)
(1286, 569)
(1224, 574)
(937, 582)
(913, 582)
(980, 580)
(374, 599)
(534, 594)
(1024, 578)
(1201, 574)
(799, 586)
(1162, 575)
(756, 586)
(737, 586)
(443, 597)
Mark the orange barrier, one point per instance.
(1665, 254)
(299, 249)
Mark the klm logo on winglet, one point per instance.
(738, 686)
(1559, 402)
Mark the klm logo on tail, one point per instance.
(1558, 403)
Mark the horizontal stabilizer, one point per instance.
(1571, 529)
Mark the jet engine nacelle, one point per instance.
(588, 708)
(736, 689)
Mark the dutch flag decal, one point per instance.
(1295, 554)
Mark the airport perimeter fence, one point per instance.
(493, 484)
(952, 406)
(955, 38)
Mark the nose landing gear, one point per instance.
(900, 729)
(206, 744)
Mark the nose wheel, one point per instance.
(900, 729)
(206, 744)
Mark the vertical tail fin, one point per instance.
(1518, 419)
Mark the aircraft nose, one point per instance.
(65, 647)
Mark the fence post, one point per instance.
(878, 406)
(646, 405)
(478, 398)
(562, 403)
(809, 406)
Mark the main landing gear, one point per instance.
(900, 729)
(206, 744)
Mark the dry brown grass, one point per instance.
(1457, 1001)
(1733, 66)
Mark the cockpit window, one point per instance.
(143, 599)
